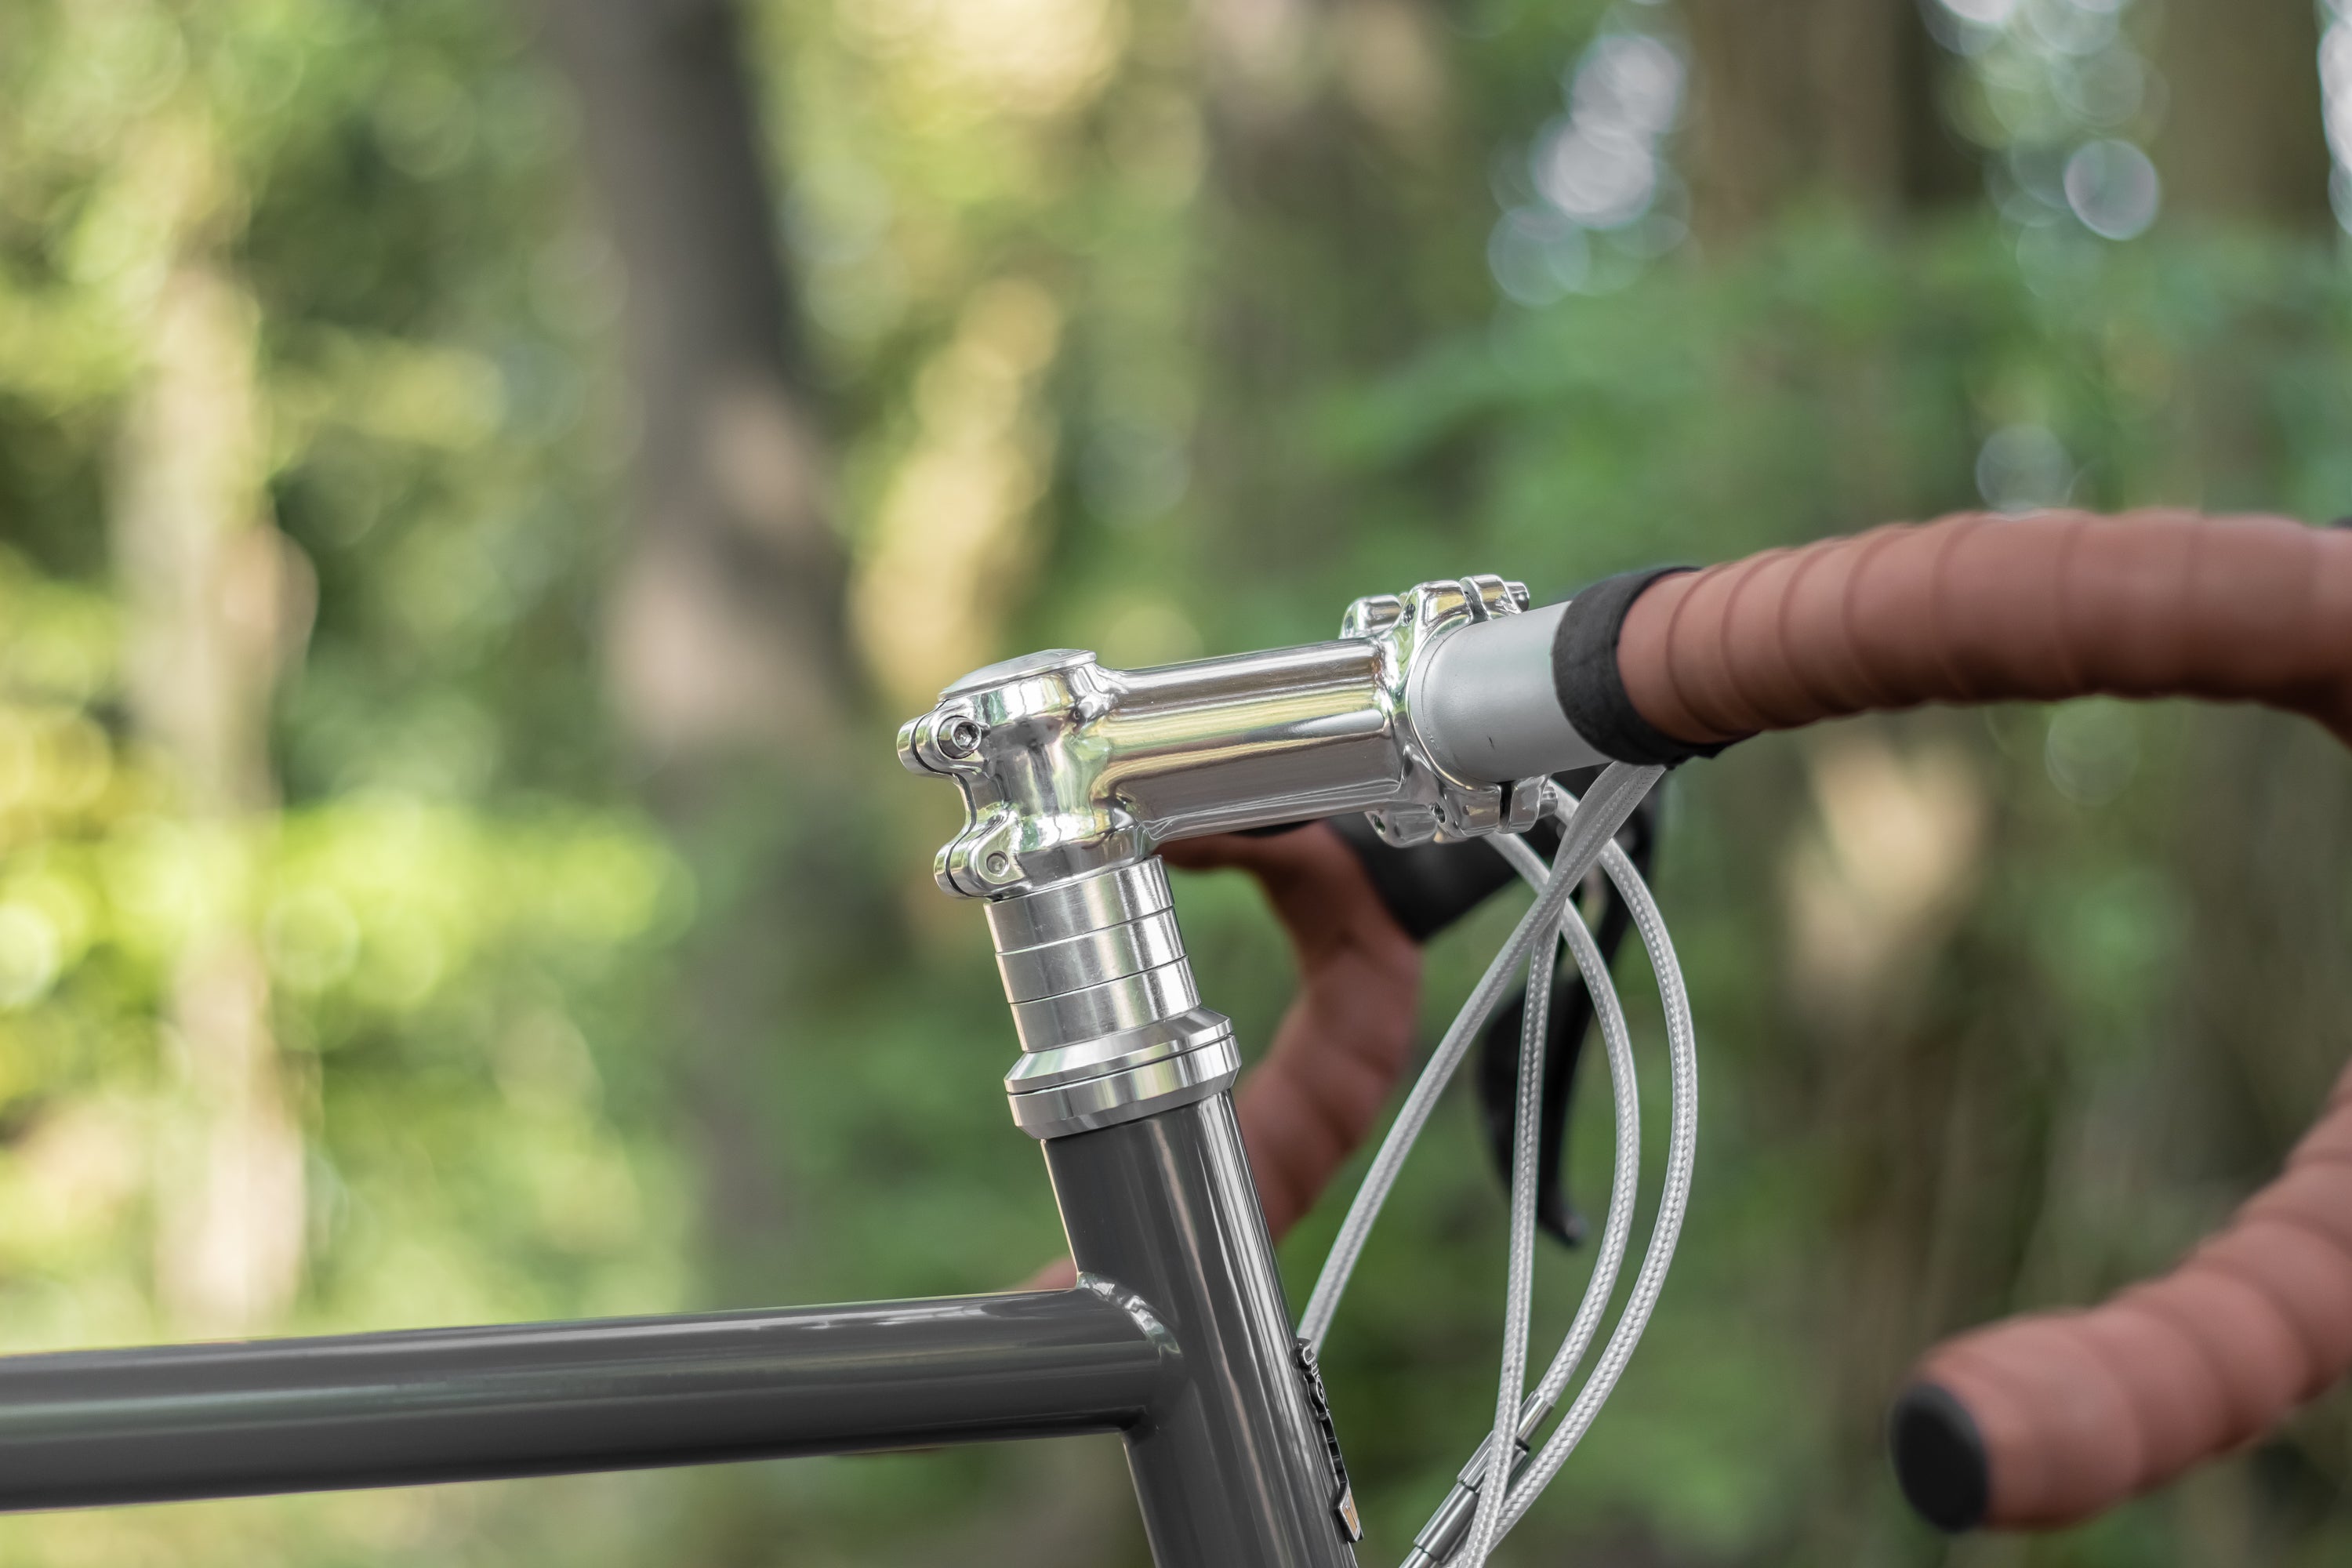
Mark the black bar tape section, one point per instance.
(1940, 1458)
(1585, 678)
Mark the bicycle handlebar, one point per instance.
(1976, 609)
(2044, 1419)
(2050, 1417)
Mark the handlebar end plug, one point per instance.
(1939, 1458)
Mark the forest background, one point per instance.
(479, 486)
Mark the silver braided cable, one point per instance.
(1516, 1420)
(1590, 831)
(1518, 1295)
(1682, 1155)
(1476, 1486)
(1617, 1229)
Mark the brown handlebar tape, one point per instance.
(2049, 1418)
(1979, 609)
(1348, 1034)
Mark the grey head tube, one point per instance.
(1235, 1470)
(1123, 1076)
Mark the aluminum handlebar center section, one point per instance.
(1069, 769)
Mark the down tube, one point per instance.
(1234, 1471)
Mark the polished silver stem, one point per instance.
(1068, 767)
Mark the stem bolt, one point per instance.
(962, 738)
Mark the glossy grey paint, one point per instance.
(1233, 1472)
(221, 1420)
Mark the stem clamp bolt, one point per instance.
(962, 738)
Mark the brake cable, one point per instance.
(1496, 1068)
(1484, 1505)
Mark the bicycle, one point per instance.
(1444, 714)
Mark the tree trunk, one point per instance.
(2242, 137)
(1339, 189)
(726, 653)
(1822, 98)
(726, 630)
(215, 601)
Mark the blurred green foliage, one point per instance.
(458, 909)
(1998, 1010)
